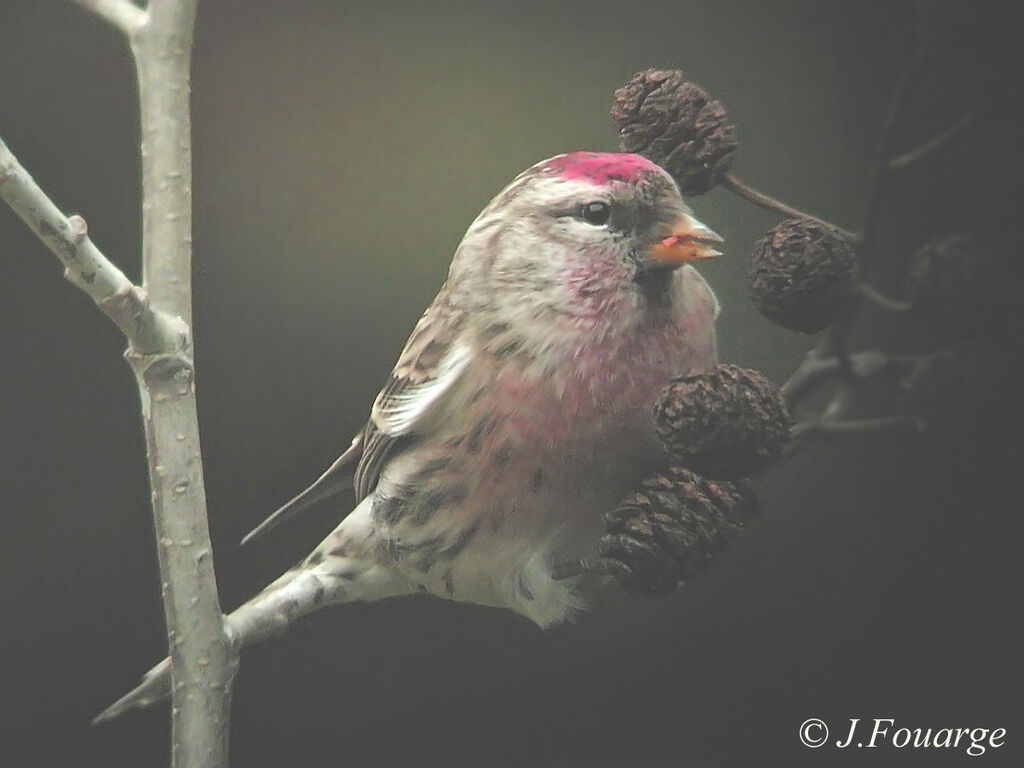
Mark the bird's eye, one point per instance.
(596, 213)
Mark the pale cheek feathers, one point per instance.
(696, 297)
(696, 311)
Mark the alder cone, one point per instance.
(801, 274)
(677, 125)
(728, 422)
(672, 529)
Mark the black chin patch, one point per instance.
(653, 281)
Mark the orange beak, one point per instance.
(688, 242)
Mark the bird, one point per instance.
(520, 409)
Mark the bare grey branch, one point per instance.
(818, 368)
(85, 266)
(122, 14)
(936, 142)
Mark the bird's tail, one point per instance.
(322, 579)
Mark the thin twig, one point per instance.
(880, 174)
(832, 426)
(937, 141)
(755, 196)
(848, 426)
(879, 299)
(880, 177)
(569, 569)
(122, 14)
(85, 266)
(841, 349)
(817, 369)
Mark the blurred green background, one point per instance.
(341, 149)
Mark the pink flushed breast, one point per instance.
(596, 410)
(601, 167)
(599, 385)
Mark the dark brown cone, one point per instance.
(672, 529)
(958, 283)
(676, 125)
(966, 390)
(801, 274)
(728, 422)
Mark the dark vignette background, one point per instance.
(340, 151)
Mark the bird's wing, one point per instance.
(431, 363)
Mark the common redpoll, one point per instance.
(520, 410)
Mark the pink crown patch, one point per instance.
(601, 167)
